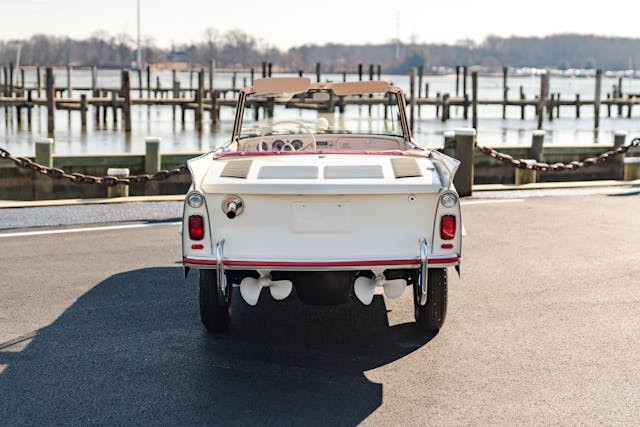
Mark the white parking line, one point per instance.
(488, 202)
(87, 229)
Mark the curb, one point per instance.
(6, 204)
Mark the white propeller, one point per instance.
(364, 288)
(250, 288)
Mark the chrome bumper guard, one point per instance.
(423, 275)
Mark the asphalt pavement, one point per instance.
(97, 326)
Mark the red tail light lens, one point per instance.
(447, 227)
(196, 227)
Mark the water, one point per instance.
(157, 121)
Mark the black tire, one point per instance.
(215, 310)
(430, 317)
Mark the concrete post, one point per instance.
(43, 185)
(118, 190)
(617, 163)
(152, 161)
(464, 152)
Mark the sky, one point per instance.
(287, 23)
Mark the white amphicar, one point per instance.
(321, 201)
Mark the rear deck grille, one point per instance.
(236, 169)
(405, 168)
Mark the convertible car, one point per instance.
(322, 189)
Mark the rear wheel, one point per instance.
(430, 317)
(215, 308)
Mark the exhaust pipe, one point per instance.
(232, 206)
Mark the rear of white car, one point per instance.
(320, 223)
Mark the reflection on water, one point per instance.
(158, 121)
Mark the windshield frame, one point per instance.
(347, 88)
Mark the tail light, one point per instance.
(196, 227)
(447, 227)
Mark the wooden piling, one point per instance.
(175, 92)
(19, 116)
(10, 79)
(617, 163)
(253, 74)
(125, 93)
(148, 81)
(360, 72)
(83, 111)
(212, 66)
(577, 105)
(264, 69)
(269, 69)
(43, 185)
(457, 81)
(596, 104)
(69, 87)
(474, 98)
(114, 109)
(51, 101)
(449, 145)
(412, 98)
(445, 107)
(505, 91)
(234, 80)
(215, 108)
(542, 99)
(465, 70)
(558, 105)
(537, 145)
(318, 71)
(522, 106)
(420, 74)
(38, 81)
(551, 106)
(199, 100)
(29, 108)
(152, 161)
(379, 71)
(464, 152)
(105, 93)
(139, 82)
(619, 96)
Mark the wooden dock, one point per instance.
(202, 97)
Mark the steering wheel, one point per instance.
(288, 146)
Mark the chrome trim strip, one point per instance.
(423, 281)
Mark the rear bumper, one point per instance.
(439, 261)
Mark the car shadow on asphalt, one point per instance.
(132, 351)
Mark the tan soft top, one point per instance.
(292, 85)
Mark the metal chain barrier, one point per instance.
(79, 178)
(556, 167)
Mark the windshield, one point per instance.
(321, 111)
